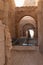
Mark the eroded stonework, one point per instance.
(2, 43)
(8, 55)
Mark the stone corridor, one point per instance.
(11, 27)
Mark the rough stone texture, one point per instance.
(21, 12)
(40, 24)
(11, 18)
(8, 46)
(2, 44)
(7, 21)
(1, 4)
(1, 9)
(14, 57)
(30, 3)
(27, 58)
(25, 23)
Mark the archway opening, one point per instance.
(27, 33)
(31, 31)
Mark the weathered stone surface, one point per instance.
(21, 12)
(1, 9)
(27, 58)
(2, 44)
(14, 57)
(1, 4)
(8, 45)
(40, 24)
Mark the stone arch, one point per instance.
(26, 27)
(21, 12)
(25, 20)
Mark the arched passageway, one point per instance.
(27, 31)
(27, 22)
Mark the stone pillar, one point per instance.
(11, 18)
(8, 43)
(6, 20)
(40, 25)
(26, 34)
(2, 44)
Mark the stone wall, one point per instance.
(2, 43)
(26, 21)
(1, 9)
(40, 24)
(8, 46)
(9, 13)
(31, 57)
(27, 58)
(21, 12)
(11, 18)
(8, 22)
(9, 55)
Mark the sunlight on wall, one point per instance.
(37, 2)
(31, 33)
(19, 3)
(30, 2)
